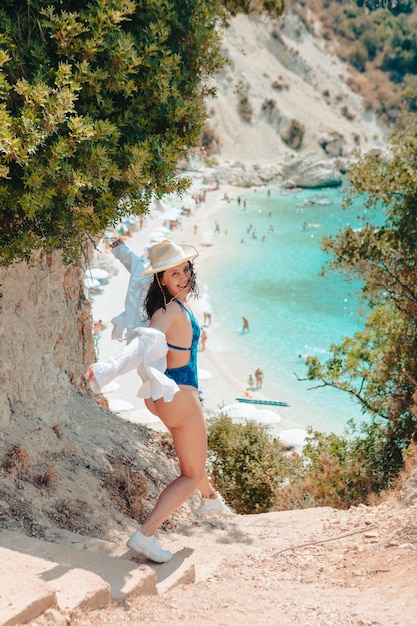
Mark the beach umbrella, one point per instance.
(157, 235)
(91, 283)
(266, 416)
(118, 406)
(131, 224)
(293, 436)
(172, 214)
(97, 273)
(238, 410)
(164, 205)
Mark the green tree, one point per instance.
(98, 102)
(400, 48)
(378, 365)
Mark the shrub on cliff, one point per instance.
(332, 471)
(293, 134)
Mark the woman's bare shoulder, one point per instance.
(164, 318)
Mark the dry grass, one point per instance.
(16, 461)
(48, 478)
(57, 428)
(127, 487)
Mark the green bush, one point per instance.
(245, 108)
(97, 107)
(246, 464)
(272, 7)
(347, 470)
(209, 140)
(358, 56)
(256, 473)
(333, 471)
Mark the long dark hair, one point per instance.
(158, 295)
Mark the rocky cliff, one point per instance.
(285, 93)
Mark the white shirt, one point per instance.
(133, 316)
(146, 351)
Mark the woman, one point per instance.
(170, 316)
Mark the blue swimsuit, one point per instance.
(187, 374)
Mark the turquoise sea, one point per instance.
(271, 276)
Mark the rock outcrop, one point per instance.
(309, 171)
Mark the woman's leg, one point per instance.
(185, 420)
(205, 487)
(150, 405)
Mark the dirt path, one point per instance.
(312, 567)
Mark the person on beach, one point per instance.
(251, 383)
(98, 326)
(259, 377)
(165, 355)
(245, 325)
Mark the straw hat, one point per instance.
(165, 255)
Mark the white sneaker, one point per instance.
(149, 547)
(214, 506)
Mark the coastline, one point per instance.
(223, 373)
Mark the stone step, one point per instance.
(77, 572)
(36, 575)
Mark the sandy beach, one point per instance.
(223, 375)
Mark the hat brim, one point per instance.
(190, 253)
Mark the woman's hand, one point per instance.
(117, 242)
(89, 375)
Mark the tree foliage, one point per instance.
(378, 364)
(98, 102)
(273, 7)
(386, 35)
(377, 37)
